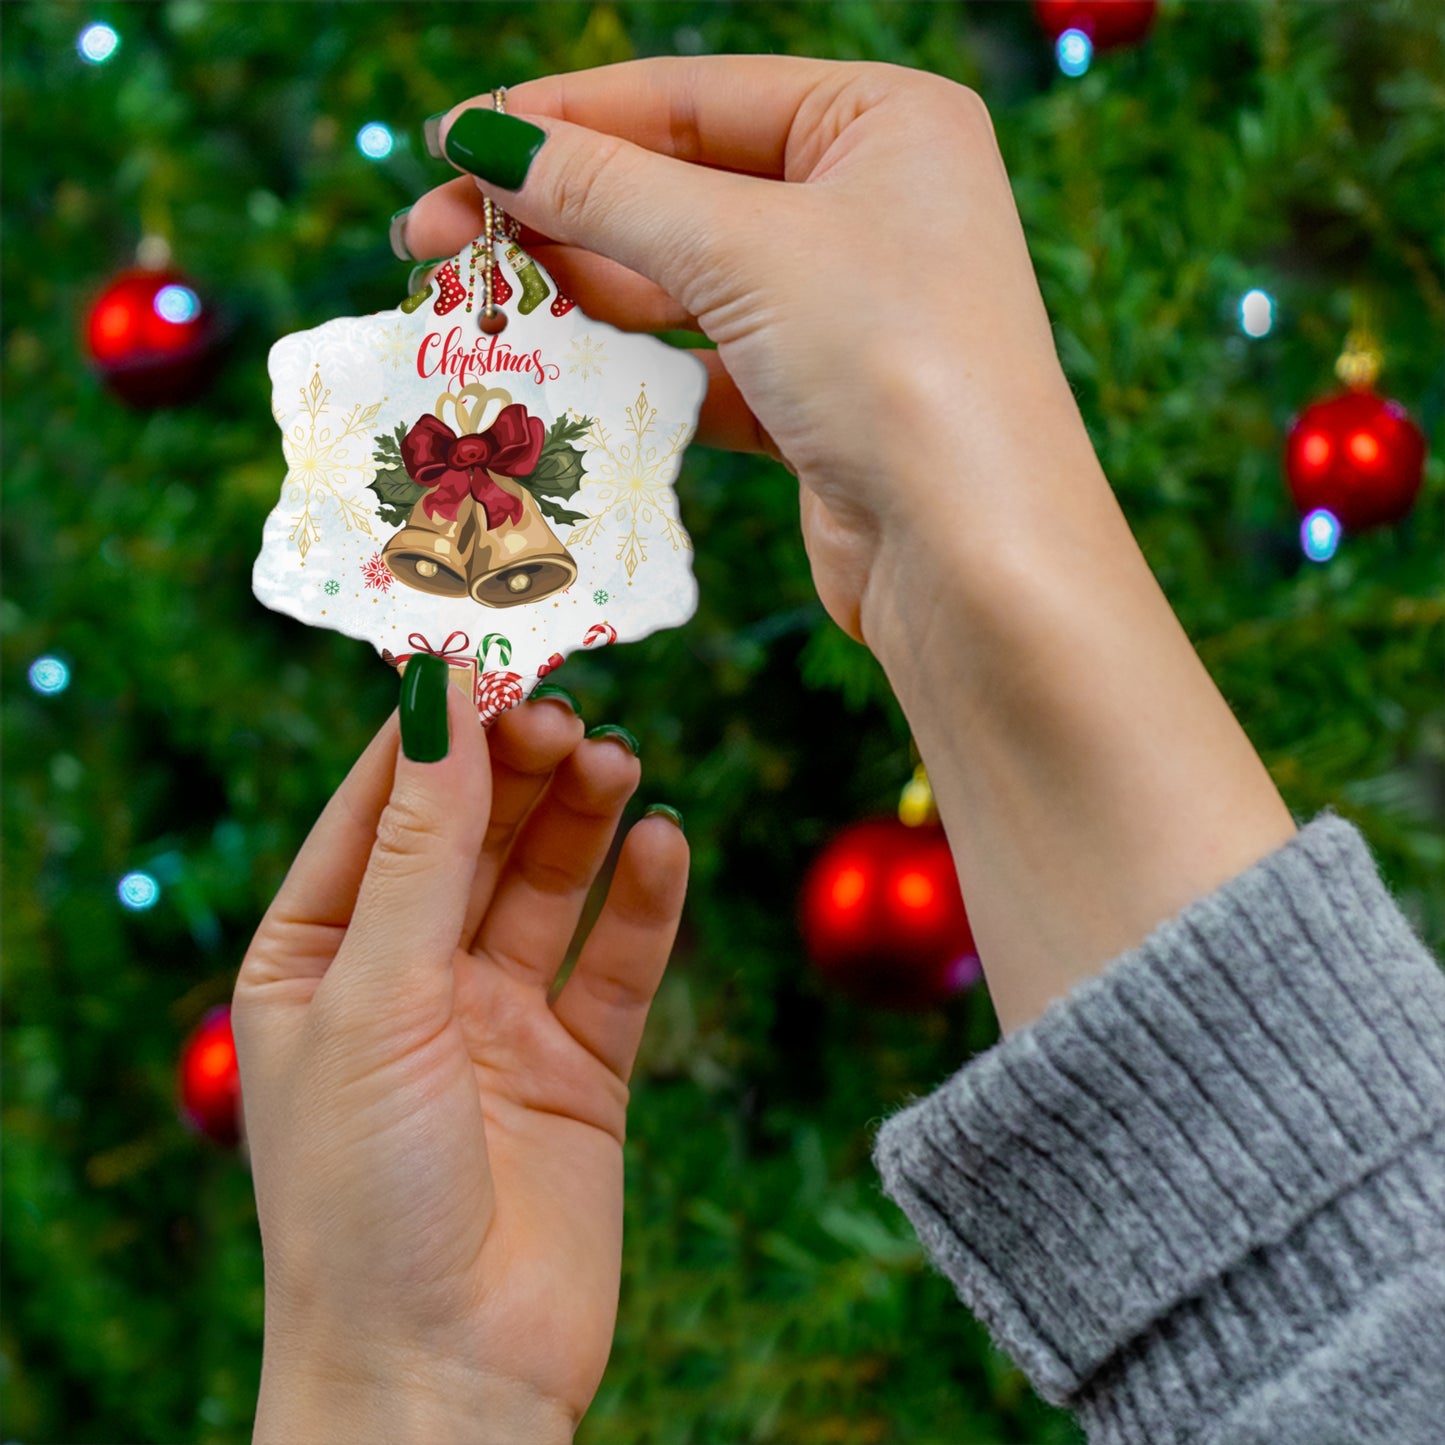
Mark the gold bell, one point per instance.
(518, 562)
(432, 554)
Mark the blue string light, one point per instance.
(1319, 535)
(177, 304)
(49, 675)
(1074, 52)
(1256, 313)
(375, 141)
(138, 891)
(97, 43)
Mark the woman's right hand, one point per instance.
(847, 236)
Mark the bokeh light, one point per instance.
(97, 43)
(1319, 535)
(178, 304)
(49, 675)
(138, 891)
(1075, 52)
(375, 141)
(1256, 313)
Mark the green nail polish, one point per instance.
(424, 736)
(550, 689)
(420, 274)
(498, 148)
(396, 233)
(614, 730)
(431, 134)
(662, 810)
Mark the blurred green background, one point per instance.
(770, 1293)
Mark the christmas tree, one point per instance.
(168, 741)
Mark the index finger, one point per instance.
(734, 112)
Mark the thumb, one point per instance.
(663, 218)
(412, 901)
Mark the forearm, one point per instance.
(1092, 779)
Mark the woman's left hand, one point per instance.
(437, 1147)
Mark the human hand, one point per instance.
(877, 319)
(437, 1151)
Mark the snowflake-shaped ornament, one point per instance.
(514, 486)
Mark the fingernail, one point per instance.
(424, 708)
(498, 148)
(421, 273)
(662, 810)
(613, 730)
(550, 689)
(431, 133)
(396, 232)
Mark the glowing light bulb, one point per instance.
(1319, 535)
(1074, 52)
(375, 140)
(177, 304)
(138, 891)
(1256, 313)
(49, 675)
(97, 43)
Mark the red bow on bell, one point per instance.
(454, 467)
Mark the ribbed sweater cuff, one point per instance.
(1194, 1115)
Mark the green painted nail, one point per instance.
(498, 148)
(550, 689)
(431, 134)
(424, 736)
(614, 730)
(420, 274)
(663, 810)
(396, 233)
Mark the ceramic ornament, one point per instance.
(499, 500)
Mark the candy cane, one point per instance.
(504, 650)
(603, 632)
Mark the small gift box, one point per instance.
(454, 652)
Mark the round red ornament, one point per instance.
(151, 337)
(1358, 455)
(210, 1081)
(883, 917)
(1107, 23)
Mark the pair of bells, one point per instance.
(504, 566)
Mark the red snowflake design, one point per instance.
(376, 573)
(496, 692)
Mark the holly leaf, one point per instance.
(388, 448)
(565, 430)
(556, 512)
(558, 472)
(396, 495)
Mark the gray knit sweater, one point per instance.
(1202, 1199)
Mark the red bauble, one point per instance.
(1107, 23)
(1357, 455)
(210, 1081)
(152, 338)
(883, 917)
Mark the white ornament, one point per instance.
(453, 491)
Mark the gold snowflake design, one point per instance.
(394, 346)
(633, 478)
(320, 461)
(587, 357)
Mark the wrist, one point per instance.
(390, 1399)
(1092, 779)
